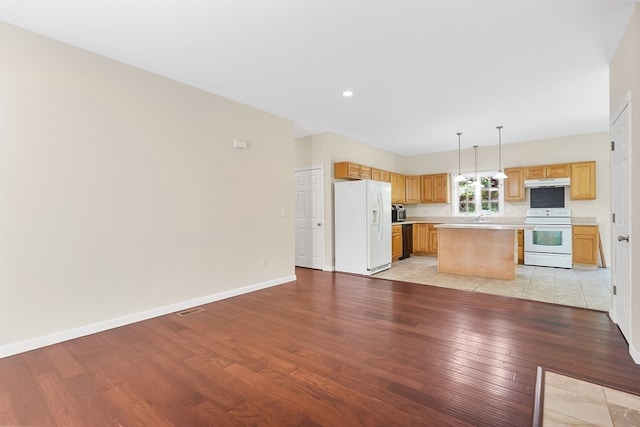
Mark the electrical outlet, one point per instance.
(264, 261)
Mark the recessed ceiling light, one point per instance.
(347, 93)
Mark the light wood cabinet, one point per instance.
(426, 189)
(346, 170)
(425, 239)
(520, 246)
(397, 187)
(514, 185)
(380, 175)
(433, 239)
(585, 244)
(434, 188)
(561, 170)
(365, 172)
(441, 188)
(412, 190)
(420, 239)
(583, 181)
(396, 242)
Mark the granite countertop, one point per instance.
(502, 220)
(486, 226)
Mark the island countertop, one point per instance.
(478, 249)
(486, 226)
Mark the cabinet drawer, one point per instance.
(396, 229)
(585, 229)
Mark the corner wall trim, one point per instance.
(69, 334)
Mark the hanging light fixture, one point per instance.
(475, 165)
(500, 174)
(460, 177)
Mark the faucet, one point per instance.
(480, 218)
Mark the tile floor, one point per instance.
(572, 402)
(573, 287)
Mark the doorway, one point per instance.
(309, 217)
(621, 271)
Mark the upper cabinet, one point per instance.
(514, 185)
(397, 187)
(380, 175)
(583, 181)
(365, 172)
(412, 190)
(561, 170)
(345, 170)
(434, 188)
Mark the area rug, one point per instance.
(566, 401)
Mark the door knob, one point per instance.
(621, 238)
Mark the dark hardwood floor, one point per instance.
(328, 350)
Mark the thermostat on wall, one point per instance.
(240, 143)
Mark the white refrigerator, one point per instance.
(362, 223)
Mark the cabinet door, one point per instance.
(420, 238)
(365, 172)
(514, 185)
(426, 189)
(583, 181)
(385, 176)
(397, 187)
(433, 239)
(396, 242)
(520, 246)
(585, 244)
(534, 172)
(412, 190)
(441, 188)
(344, 170)
(557, 171)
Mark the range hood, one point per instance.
(547, 182)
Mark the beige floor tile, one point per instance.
(578, 288)
(555, 419)
(584, 407)
(621, 398)
(573, 301)
(540, 292)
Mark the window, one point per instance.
(484, 197)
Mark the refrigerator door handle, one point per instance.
(381, 208)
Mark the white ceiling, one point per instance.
(421, 70)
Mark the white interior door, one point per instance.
(621, 271)
(309, 223)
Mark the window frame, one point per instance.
(478, 195)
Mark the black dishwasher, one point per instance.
(407, 240)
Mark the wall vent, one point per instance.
(190, 311)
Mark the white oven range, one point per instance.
(548, 244)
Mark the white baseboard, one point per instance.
(57, 337)
(634, 353)
(328, 268)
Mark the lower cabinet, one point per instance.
(396, 242)
(520, 246)
(586, 241)
(425, 239)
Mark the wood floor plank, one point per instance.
(329, 349)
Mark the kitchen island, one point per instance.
(478, 249)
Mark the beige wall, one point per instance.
(329, 148)
(326, 149)
(122, 196)
(625, 78)
(577, 148)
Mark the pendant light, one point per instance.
(460, 177)
(475, 165)
(500, 174)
